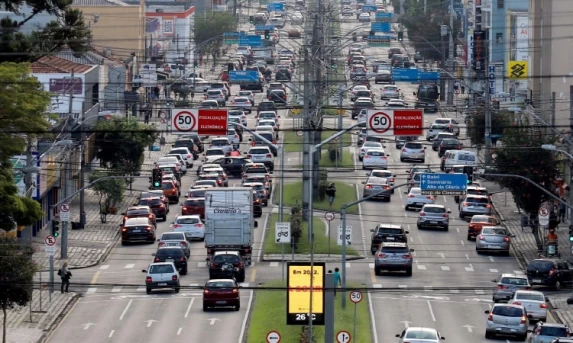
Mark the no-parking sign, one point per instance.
(408, 122)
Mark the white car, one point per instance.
(368, 145)
(358, 88)
(375, 158)
(452, 124)
(364, 17)
(261, 154)
(222, 143)
(435, 129)
(419, 334)
(268, 122)
(534, 303)
(390, 92)
(268, 115)
(249, 95)
(362, 116)
(172, 160)
(161, 275)
(240, 114)
(396, 103)
(242, 102)
(244, 50)
(191, 226)
(213, 154)
(185, 155)
(415, 199)
(383, 173)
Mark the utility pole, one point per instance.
(82, 171)
(487, 108)
(425, 6)
(306, 168)
(451, 63)
(64, 249)
(29, 183)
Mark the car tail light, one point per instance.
(392, 179)
(213, 265)
(490, 317)
(199, 225)
(157, 259)
(523, 319)
(149, 228)
(162, 205)
(257, 201)
(441, 146)
(459, 147)
(249, 156)
(183, 243)
(269, 155)
(182, 259)
(219, 182)
(150, 216)
(382, 255)
(404, 150)
(184, 209)
(270, 98)
(422, 214)
(528, 288)
(481, 238)
(235, 291)
(411, 196)
(176, 226)
(431, 197)
(240, 265)
(148, 279)
(552, 271)
(366, 156)
(501, 287)
(516, 303)
(206, 291)
(368, 186)
(538, 331)
(161, 244)
(446, 215)
(253, 144)
(408, 256)
(174, 278)
(126, 217)
(386, 187)
(422, 151)
(488, 206)
(266, 177)
(274, 141)
(542, 305)
(506, 239)
(465, 204)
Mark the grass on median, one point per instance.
(344, 194)
(320, 239)
(347, 160)
(269, 314)
(293, 143)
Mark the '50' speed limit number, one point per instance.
(184, 121)
(380, 122)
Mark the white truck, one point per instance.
(229, 221)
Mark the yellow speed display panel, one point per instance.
(298, 296)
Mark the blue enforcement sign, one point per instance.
(369, 8)
(443, 184)
(254, 41)
(383, 15)
(276, 7)
(242, 75)
(380, 27)
(405, 74)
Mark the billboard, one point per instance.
(517, 69)
(299, 309)
(479, 51)
(522, 38)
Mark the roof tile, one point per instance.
(55, 65)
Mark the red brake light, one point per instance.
(149, 228)
(182, 259)
(213, 265)
(408, 256)
(465, 204)
(188, 155)
(368, 186)
(481, 238)
(381, 255)
(174, 278)
(411, 196)
(148, 279)
(542, 306)
(506, 239)
(161, 244)
(162, 205)
(404, 150)
(235, 291)
(552, 271)
(176, 226)
(184, 208)
(490, 317)
(157, 259)
(183, 243)
(488, 206)
(206, 291)
(523, 319)
(500, 287)
(422, 214)
(249, 156)
(516, 303)
(123, 230)
(269, 155)
(446, 215)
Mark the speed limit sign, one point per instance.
(356, 296)
(379, 122)
(184, 121)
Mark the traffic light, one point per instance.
(469, 171)
(267, 34)
(400, 36)
(55, 228)
(333, 64)
(570, 233)
(156, 178)
(252, 19)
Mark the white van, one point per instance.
(458, 157)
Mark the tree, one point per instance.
(121, 143)
(67, 29)
(500, 120)
(209, 32)
(17, 268)
(109, 192)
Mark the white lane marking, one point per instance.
(348, 265)
(493, 270)
(259, 254)
(370, 265)
(400, 194)
(421, 267)
(116, 289)
(91, 290)
(201, 264)
(372, 319)
(189, 307)
(455, 291)
(125, 310)
(470, 268)
(244, 325)
(105, 266)
(129, 266)
(411, 239)
(428, 288)
(111, 334)
(479, 291)
(431, 310)
(274, 264)
(491, 259)
(409, 228)
(193, 284)
(458, 229)
(360, 215)
(140, 289)
(377, 285)
(402, 286)
(467, 257)
(180, 329)
(445, 199)
(445, 268)
(463, 243)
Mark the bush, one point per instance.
(322, 186)
(304, 336)
(296, 223)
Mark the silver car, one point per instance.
(508, 284)
(475, 204)
(175, 239)
(435, 129)
(415, 199)
(384, 174)
(550, 332)
(368, 145)
(452, 123)
(393, 257)
(494, 238)
(434, 216)
(505, 319)
(413, 151)
(249, 95)
(375, 186)
(534, 303)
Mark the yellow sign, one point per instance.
(517, 69)
(298, 296)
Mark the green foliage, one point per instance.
(17, 268)
(211, 27)
(121, 143)
(109, 191)
(30, 213)
(68, 30)
(296, 223)
(523, 156)
(500, 120)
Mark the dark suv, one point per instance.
(554, 273)
(232, 165)
(394, 51)
(278, 96)
(257, 204)
(172, 254)
(227, 264)
(266, 105)
(157, 206)
(387, 233)
(358, 105)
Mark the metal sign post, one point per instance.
(50, 246)
(329, 216)
(355, 297)
(282, 236)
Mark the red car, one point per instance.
(194, 206)
(221, 293)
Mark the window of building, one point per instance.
(499, 38)
(500, 3)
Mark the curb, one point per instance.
(47, 332)
(519, 257)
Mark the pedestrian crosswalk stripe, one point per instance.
(479, 291)
(91, 290)
(492, 270)
(202, 264)
(129, 266)
(518, 272)
(274, 264)
(244, 284)
(421, 267)
(377, 285)
(371, 265)
(469, 269)
(445, 268)
(402, 286)
(455, 291)
(105, 266)
(348, 265)
(428, 288)
(140, 289)
(116, 290)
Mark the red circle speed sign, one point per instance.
(380, 122)
(184, 121)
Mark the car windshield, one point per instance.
(513, 281)
(220, 284)
(136, 212)
(197, 194)
(395, 250)
(480, 219)
(438, 127)
(471, 158)
(387, 230)
(494, 231)
(450, 142)
(442, 121)
(149, 202)
(188, 221)
(529, 296)
(161, 268)
(477, 191)
(215, 152)
(363, 93)
(258, 151)
(226, 259)
(553, 331)
(247, 94)
(381, 174)
(219, 142)
(172, 236)
(416, 191)
(413, 146)
(194, 203)
(421, 335)
(541, 265)
(256, 170)
(477, 200)
(362, 104)
(391, 89)
(167, 185)
(508, 311)
(206, 182)
(434, 209)
(169, 253)
(372, 145)
(375, 153)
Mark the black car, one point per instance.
(554, 273)
(359, 105)
(157, 205)
(252, 86)
(278, 96)
(449, 144)
(227, 264)
(394, 51)
(232, 165)
(283, 75)
(266, 105)
(387, 233)
(193, 137)
(257, 204)
(172, 254)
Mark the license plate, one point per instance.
(537, 280)
(169, 260)
(433, 222)
(162, 284)
(493, 246)
(419, 204)
(221, 302)
(136, 231)
(394, 257)
(172, 244)
(390, 238)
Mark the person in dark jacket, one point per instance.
(331, 192)
(65, 275)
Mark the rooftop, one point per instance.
(96, 3)
(57, 65)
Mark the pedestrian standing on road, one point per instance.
(146, 118)
(65, 275)
(331, 192)
(463, 88)
(337, 279)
